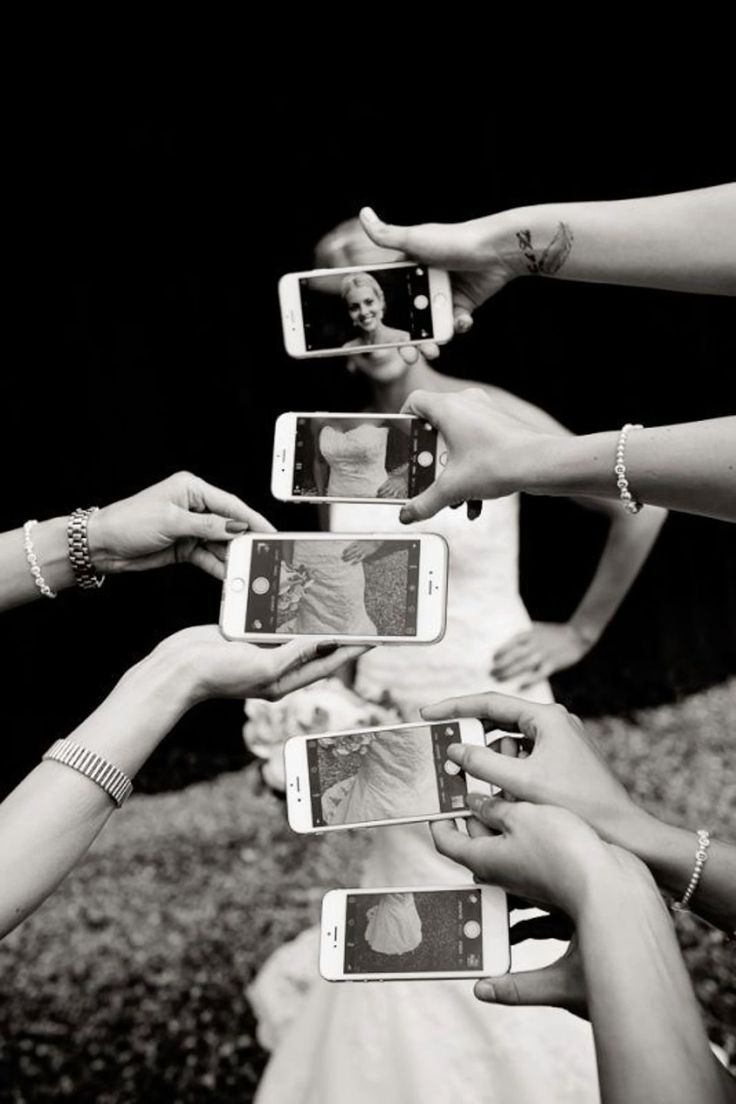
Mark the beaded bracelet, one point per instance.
(33, 561)
(619, 470)
(701, 857)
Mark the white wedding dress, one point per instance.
(394, 926)
(357, 459)
(334, 602)
(397, 772)
(421, 1042)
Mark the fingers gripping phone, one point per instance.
(344, 311)
(406, 933)
(363, 778)
(380, 458)
(359, 589)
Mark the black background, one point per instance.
(146, 238)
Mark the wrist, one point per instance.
(615, 883)
(100, 544)
(587, 632)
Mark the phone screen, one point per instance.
(352, 310)
(363, 457)
(357, 587)
(418, 932)
(364, 776)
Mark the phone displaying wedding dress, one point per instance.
(357, 459)
(416, 1042)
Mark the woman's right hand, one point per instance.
(489, 451)
(470, 251)
(564, 767)
(214, 667)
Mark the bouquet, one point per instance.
(294, 582)
(326, 706)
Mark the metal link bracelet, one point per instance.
(76, 533)
(113, 781)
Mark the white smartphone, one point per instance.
(395, 774)
(407, 933)
(355, 588)
(381, 458)
(341, 311)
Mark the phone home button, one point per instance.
(237, 585)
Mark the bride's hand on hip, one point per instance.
(182, 519)
(357, 551)
(538, 652)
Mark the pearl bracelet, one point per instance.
(619, 470)
(701, 857)
(33, 561)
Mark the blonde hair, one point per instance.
(362, 279)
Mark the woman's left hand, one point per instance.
(539, 652)
(357, 551)
(182, 519)
(213, 667)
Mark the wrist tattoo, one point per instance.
(553, 257)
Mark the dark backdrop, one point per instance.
(143, 337)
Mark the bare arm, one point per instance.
(546, 648)
(51, 818)
(680, 242)
(689, 467)
(180, 519)
(649, 1036)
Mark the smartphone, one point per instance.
(381, 458)
(355, 588)
(402, 934)
(341, 311)
(395, 774)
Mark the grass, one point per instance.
(129, 984)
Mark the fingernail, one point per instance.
(455, 505)
(326, 647)
(369, 214)
(463, 323)
(485, 990)
(474, 801)
(456, 752)
(237, 527)
(404, 516)
(474, 508)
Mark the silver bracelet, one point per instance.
(33, 561)
(114, 782)
(81, 561)
(701, 857)
(619, 470)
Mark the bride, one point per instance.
(351, 460)
(418, 1042)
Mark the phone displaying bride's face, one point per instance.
(379, 458)
(414, 933)
(353, 588)
(369, 777)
